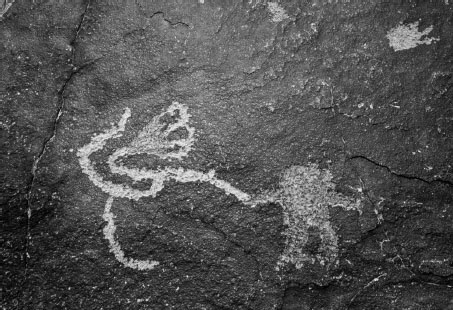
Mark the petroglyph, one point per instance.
(115, 248)
(5, 5)
(408, 36)
(306, 193)
(154, 139)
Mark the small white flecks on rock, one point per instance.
(278, 13)
(408, 36)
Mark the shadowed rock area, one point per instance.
(226, 154)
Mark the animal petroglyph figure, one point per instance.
(154, 139)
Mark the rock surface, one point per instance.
(227, 154)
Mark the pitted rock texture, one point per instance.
(345, 106)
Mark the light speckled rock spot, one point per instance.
(277, 11)
(408, 36)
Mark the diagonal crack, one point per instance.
(361, 290)
(169, 21)
(50, 138)
(401, 175)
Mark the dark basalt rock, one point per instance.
(334, 118)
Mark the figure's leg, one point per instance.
(115, 247)
(329, 244)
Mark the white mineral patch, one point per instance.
(153, 139)
(306, 193)
(278, 12)
(408, 36)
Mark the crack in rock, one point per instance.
(162, 14)
(400, 175)
(51, 137)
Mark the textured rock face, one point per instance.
(226, 154)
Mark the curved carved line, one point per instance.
(115, 247)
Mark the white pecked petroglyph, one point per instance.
(408, 36)
(306, 192)
(5, 6)
(115, 247)
(152, 140)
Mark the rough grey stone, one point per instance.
(319, 175)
